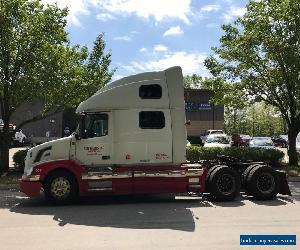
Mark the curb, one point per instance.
(293, 179)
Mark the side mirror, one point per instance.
(188, 122)
(77, 136)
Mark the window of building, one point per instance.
(152, 91)
(152, 120)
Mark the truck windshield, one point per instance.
(94, 125)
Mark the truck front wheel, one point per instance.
(60, 188)
(223, 184)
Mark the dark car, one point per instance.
(280, 140)
(240, 140)
(12, 127)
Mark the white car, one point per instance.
(217, 140)
(262, 142)
(210, 132)
(298, 143)
(20, 137)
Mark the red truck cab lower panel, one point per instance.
(120, 180)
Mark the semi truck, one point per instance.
(131, 139)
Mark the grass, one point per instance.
(293, 171)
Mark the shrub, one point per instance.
(19, 159)
(270, 156)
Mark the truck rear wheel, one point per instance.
(60, 188)
(210, 171)
(223, 183)
(262, 183)
(246, 173)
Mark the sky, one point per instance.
(151, 35)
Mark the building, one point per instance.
(201, 114)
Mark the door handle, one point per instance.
(105, 157)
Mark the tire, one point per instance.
(246, 173)
(262, 183)
(210, 171)
(224, 184)
(61, 188)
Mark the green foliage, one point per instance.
(258, 119)
(38, 63)
(227, 94)
(271, 156)
(192, 81)
(259, 54)
(195, 82)
(19, 159)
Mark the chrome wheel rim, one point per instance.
(60, 188)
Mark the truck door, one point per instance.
(95, 146)
(95, 151)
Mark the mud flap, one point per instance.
(284, 186)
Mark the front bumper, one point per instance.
(30, 188)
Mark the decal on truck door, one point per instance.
(93, 150)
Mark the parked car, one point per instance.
(20, 138)
(12, 127)
(280, 140)
(210, 132)
(12, 131)
(218, 140)
(240, 140)
(298, 143)
(262, 142)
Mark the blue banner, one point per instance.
(267, 240)
(192, 106)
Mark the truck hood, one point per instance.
(52, 150)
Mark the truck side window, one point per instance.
(152, 91)
(95, 125)
(151, 120)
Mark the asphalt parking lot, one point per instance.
(149, 222)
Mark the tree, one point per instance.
(37, 62)
(256, 119)
(261, 52)
(193, 81)
(233, 99)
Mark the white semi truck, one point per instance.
(131, 139)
